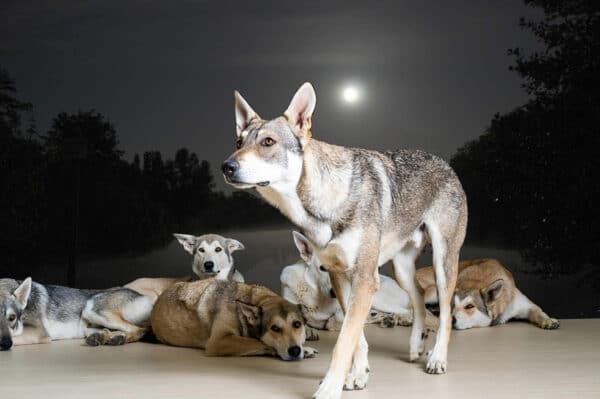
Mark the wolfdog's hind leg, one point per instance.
(404, 272)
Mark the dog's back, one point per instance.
(184, 315)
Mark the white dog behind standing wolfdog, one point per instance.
(307, 283)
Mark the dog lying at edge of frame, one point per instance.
(227, 318)
(34, 313)
(485, 295)
(308, 284)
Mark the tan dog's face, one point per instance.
(270, 152)
(471, 307)
(283, 330)
(469, 311)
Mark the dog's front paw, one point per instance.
(311, 333)
(417, 344)
(550, 324)
(357, 378)
(116, 340)
(310, 352)
(436, 363)
(328, 389)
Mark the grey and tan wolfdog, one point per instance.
(360, 208)
(33, 313)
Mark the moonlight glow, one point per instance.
(350, 95)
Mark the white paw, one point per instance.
(311, 334)
(436, 363)
(328, 390)
(417, 344)
(310, 352)
(357, 378)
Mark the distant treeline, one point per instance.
(69, 191)
(532, 180)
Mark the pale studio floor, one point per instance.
(511, 361)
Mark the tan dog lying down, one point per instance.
(228, 318)
(485, 295)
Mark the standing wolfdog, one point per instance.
(360, 208)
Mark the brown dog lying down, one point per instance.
(485, 295)
(228, 318)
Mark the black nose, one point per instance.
(209, 266)
(229, 167)
(453, 320)
(294, 351)
(5, 343)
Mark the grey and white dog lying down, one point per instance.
(32, 313)
(212, 255)
(307, 283)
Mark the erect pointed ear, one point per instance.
(244, 114)
(249, 314)
(188, 241)
(234, 245)
(304, 246)
(492, 291)
(299, 112)
(22, 292)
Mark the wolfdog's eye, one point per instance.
(469, 306)
(276, 329)
(267, 142)
(12, 318)
(296, 324)
(238, 143)
(218, 249)
(200, 249)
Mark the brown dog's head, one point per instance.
(270, 152)
(278, 324)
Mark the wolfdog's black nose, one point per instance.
(453, 320)
(208, 266)
(5, 343)
(294, 351)
(229, 167)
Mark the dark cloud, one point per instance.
(434, 73)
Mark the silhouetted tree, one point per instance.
(22, 178)
(532, 177)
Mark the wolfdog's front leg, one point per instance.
(351, 347)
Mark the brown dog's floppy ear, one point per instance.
(492, 291)
(299, 112)
(249, 314)
(244, 114)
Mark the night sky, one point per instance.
(432, 74)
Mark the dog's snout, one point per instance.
(209, 266)
(5, 343)
(229, 167)
(294, 351)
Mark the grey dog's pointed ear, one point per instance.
(492, 291)
(187, 241)
(244, 114)
(234, 245)
(22, 292)
(249, 314)
(303, 245)
(299, 112)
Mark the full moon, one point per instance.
(350, 94)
